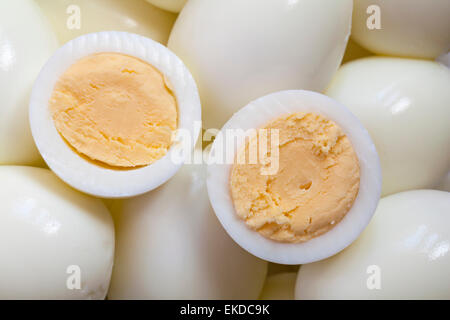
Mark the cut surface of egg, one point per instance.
(73, 18)
(241, 50)
(403, 254)
(301, 181)
(170, 5)
(404, 104)
(50, 236)
(279, 286)
(18, 70)
(107, 112)
(171, 246)
(407, 28)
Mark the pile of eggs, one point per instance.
(74, 227)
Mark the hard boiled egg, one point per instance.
(354, 51)
(404, 104)
(279, 286)
(55, 243)
(171, 246)
(403, 254)
(444, 184)
(26, 42)
(410, 28)
(73, 18)
(110, 112)
(240, 50)
(308, 195)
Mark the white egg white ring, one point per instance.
(257, 114)
(70, 166)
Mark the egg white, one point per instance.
(404, 104)
(256, 115)
(135, 16)
(89, 177)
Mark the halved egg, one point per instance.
(293, 177)
(108, 113)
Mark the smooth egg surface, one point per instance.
(88, 176)
(52, 238)
(22, 26)
(171, 246)
(403, 254)
(404, 104)
(408, 28)
(356, 217)
(73, 18)
(279, 286)
(240, 50)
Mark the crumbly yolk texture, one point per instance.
(315, 185)
(115, 109)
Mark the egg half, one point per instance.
(117, 108)
(268, 229)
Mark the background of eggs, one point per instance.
(237, 50)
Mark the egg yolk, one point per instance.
(313, 188)
(115, 109)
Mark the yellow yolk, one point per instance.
(315, 185)
(115, 109)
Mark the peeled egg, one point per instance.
(73, 18)
(22, 26)
(240, 50)
(279, 286)
(403, 254)
(444, 184)
(409, 28)
(55, 243)
(171, 246)
(85, 118)
(170, 5)
(404, 104)
(307, 172)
